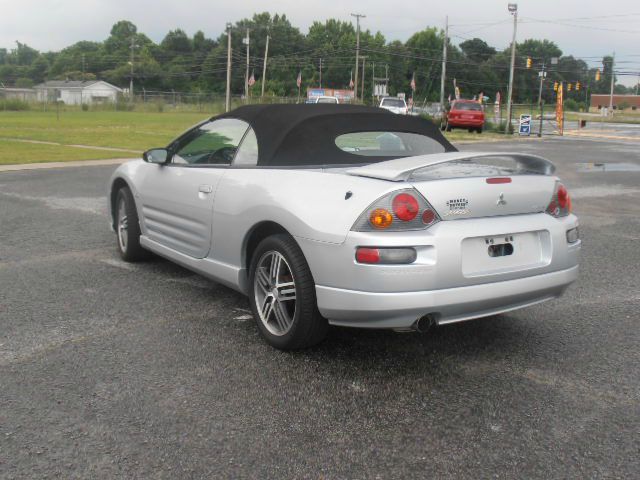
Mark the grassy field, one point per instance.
(131, 131)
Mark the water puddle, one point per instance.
(608, 167)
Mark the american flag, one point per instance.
(252, 80)
(413, 82)
(299, 80)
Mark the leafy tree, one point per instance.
(477, 50)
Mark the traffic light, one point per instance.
(597, 75)
(569, 86)
(555, 86)
(577, 86)
(529, 62)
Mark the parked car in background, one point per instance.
(324, 99)
(350, 216)
(464, 114)
(395, 105)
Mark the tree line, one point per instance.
(198, 64)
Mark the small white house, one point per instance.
(75, 92)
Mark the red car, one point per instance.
(464, 114)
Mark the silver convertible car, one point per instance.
(349, 216)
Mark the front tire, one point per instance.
(128, 227)
(282, 295)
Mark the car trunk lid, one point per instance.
(462, 185)
(476, 197)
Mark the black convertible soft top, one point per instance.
(304, 135)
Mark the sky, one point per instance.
(585, 29)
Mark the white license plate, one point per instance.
(495, 254)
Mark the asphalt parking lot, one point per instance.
(149, 371)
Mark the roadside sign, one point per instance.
(525, 124)
(560, 108)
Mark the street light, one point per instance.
(513, 9)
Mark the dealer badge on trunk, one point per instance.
(457, 206)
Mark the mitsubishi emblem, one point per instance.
(501, 200)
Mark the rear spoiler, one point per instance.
(400, 169)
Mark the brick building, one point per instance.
(625, 102)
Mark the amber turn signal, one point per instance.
(381, 218)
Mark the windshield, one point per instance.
(466, 106)
(327, 100)
(393, 102)
(388, 144)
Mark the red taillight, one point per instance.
(397, 211)
(498, 180)
(405, 206)
(560, 204)
(563, 196)
(428, 217)
(367, 255)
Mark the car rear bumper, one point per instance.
(401, 310)
(453, 278)
(459, 122)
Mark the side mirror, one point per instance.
(156, 155)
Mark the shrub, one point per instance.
(159, 104)
(429, 117)
(571, 105)
(124, 106)
(13, 104)
(85, 107)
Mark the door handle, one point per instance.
(205, 189)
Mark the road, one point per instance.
(112, 370)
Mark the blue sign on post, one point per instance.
(525, 124)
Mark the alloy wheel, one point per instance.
(123, 225)
(275, 293)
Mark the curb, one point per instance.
(75, 163)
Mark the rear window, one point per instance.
(327, 100)
(393, 102)
(467, 106)
(388, 144)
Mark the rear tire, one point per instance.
(479, 130)
(128, 227)
(282, 295)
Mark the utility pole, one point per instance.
(444, 62)
(320, 72)
(542, 74)
(373, 83)
(513, 8)
(228, 97)
(613, 61)
(362, 81)
(246, 75)
(358, 17)
(264, 66)
(133, 45)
